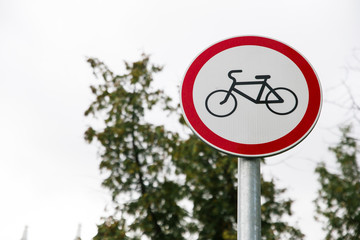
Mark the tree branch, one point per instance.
(158, 232)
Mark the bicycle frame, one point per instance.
(263, 84)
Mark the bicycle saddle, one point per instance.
(265, 77)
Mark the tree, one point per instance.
(273, 209)
(134, 152)
(212, 185)
(152, 171)
(111, 229)
(337, 203)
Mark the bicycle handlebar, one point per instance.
(233, 71)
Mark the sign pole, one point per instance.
(249, 205)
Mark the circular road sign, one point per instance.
(251, 96)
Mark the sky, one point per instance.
(49, 176)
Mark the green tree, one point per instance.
(273, 209)
(212, 185)
(152, 170)
(337, 203)
(111, 229)
(135, 153)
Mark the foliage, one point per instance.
(152, 172)
(134, 152)
(337, 203)
(212, 184)
(273, 209)
(111, 229)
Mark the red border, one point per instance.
(263, 149)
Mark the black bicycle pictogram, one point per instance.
(222, 103)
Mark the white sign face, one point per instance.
(251, 96)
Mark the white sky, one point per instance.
(49, 177)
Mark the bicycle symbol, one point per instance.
(222, 103)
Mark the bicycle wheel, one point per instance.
(214, 106)
(286, 106)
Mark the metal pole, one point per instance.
(249, 206)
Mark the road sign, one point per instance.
(251, 96)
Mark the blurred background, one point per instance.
(49, 175)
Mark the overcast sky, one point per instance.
(49, 177)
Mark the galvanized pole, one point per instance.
(249, 206)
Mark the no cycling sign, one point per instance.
(251, 96)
